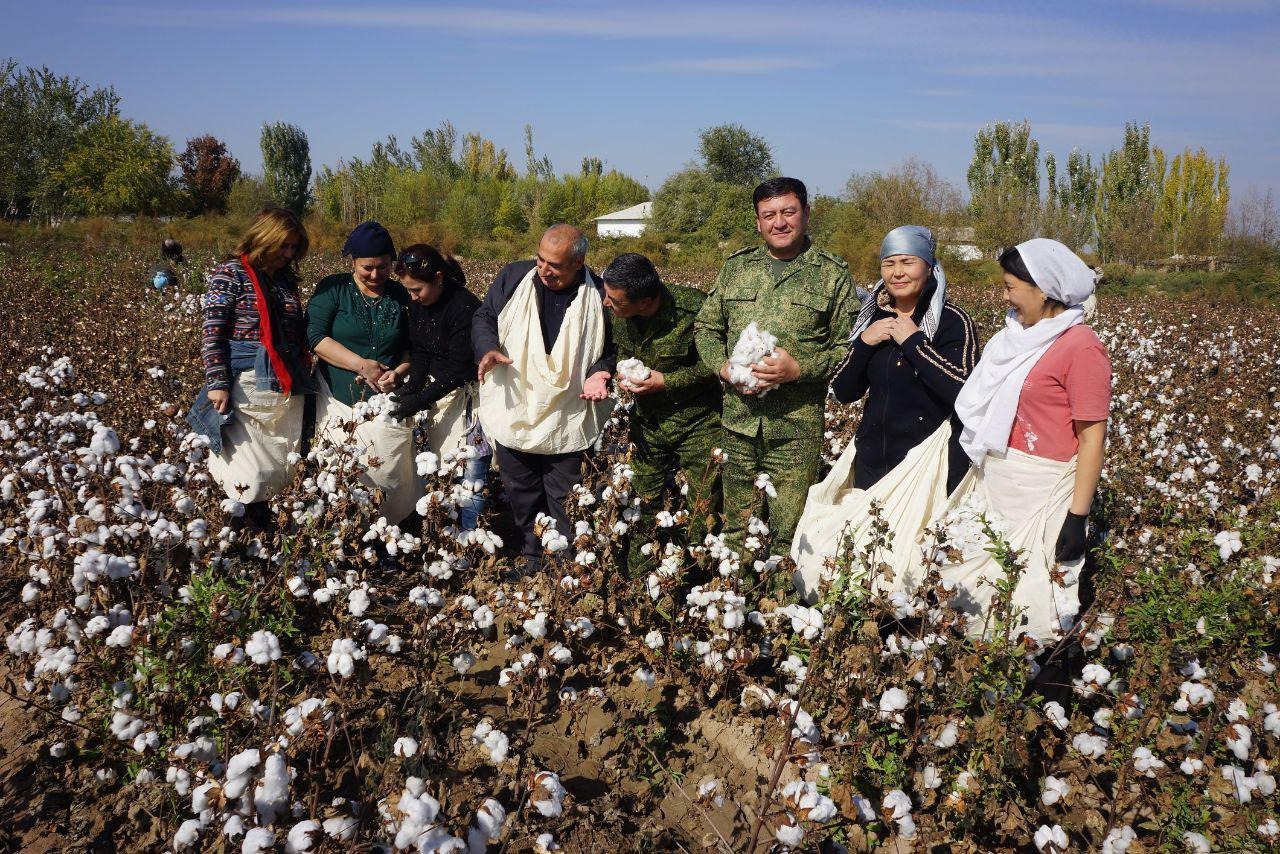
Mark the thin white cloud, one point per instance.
(723, 65)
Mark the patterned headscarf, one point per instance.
(908, 240)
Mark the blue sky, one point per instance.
(834, 87)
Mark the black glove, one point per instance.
(406, 406)
(1071, 538)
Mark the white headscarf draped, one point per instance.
(988, 402)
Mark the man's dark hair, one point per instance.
(780, 186)
(634, 275)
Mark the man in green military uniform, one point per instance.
(774, 423)
(675, 423)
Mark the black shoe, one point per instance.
(526, 567)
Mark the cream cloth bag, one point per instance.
(1029, 496)
(256, 443)
(448, 419)
(390, 441)
(533, 404)
(910, 495)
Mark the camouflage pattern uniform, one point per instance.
(676, 428)
(810, 308)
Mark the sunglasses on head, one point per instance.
(412, 261)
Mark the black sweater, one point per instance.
(552, 306)
(439, 348)
(913, 388)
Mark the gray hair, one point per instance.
(577, 247)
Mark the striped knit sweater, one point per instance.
(231, 313)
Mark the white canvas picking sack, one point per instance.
(1030, 497)
(256, 443)
(448, 419)
(390, 441)
(909, 495)
(534, 403)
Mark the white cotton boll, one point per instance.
(272, 795)
(358, 602)
(263, 647)
(463, 662)
(233, 827)
(1239, 739)
(120, 637)
(654, 640)
(58, 750)
(1054, 790)
(633, 370)
(259, 840)
(645, 676)
(1196, 843)
(547, 794)
(488, 825)
(188, 835)
(239, 772)
(1191, 766)
(1051, 838)
(342, 828)
(428, 464)
(1092, 746)
(302, 837)
(896, 804)
(343, 655)
(1147, 763)
(1056, 714)
(405, 747)
(752, 346)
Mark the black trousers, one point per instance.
(538, 483)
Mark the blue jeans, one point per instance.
(477, 469)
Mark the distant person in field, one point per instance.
(1035, 423)
(256, 363)
(774, 425)
(442, 368)
(675, 423)
(164, 275)
(358, 324)
(545, 356)
(910, 353)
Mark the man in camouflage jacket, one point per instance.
(675, 422)
(804, 296)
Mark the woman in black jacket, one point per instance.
(911, 349)
(442, 369)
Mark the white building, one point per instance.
(629, 222)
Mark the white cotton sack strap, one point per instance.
(534, 404)
(988, 401)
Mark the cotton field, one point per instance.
(174, 686)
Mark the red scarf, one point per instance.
(266, 333)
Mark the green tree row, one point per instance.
(1137, 204)
(467, 189)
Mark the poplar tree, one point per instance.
(1191, 210)
(1004, 185)
(286, 165)
(1125, 207)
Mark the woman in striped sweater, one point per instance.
(256, 361)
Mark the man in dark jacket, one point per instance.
(538, 482)
(675, 422)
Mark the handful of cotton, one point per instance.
(632, 371)
(753, 345)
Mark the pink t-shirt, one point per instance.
(1071, 382)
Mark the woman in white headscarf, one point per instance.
(1035, 423)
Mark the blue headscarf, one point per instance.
(369, 240)
(908, 240)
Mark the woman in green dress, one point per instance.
(357, 324)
